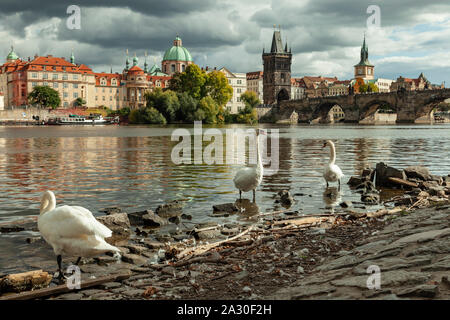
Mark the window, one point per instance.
(66, 104)
(34, 75)
(34, 84)
(45, 76)
(110, 98)
(173, 67)
(183, 67)
(55, 77)
(65, 77)
(55, 85)
(239, 82)
(96, 98)
(65, 85)
(45, 83)
(103, 89)
(75, 77)
(75, 85)
(64, 68)
(75, 94)
(65, 95)
(104, 98)
(44, 68)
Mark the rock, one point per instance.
(346, 204)
(418, 172)
(226, 207)
(136, 249)
(384, 172)
(294, 293)
(175, 220)
(170, 209)
(437, 191)
(19, 282)
(111, 210)
(133, 292)
(71, 296)
(34, 239)
(428, 184)
(152, 220)
(134, 259)
(367, 173)
(300, 269)
(118, 223)
(440, 265)
(356, 181)
(423, 236)
(229, 231)
(186, 216)
(389, 278)
(392, 263)
(151, 244)
(424, 290)
(339, 263)
(207, 234)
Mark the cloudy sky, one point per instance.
(325, 35)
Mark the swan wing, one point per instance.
(70, 222)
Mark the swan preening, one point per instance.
(249, 178)
(72, 230)
(332, 172)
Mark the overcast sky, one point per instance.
(325, 35)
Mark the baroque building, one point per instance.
(277, 71)
(177, 58)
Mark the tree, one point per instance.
(368, 87)
(190, 81)
(188, 106)
(45, 97)
(208, 109)
(249, 114)
(80, 102)
(250, 99)
(166, 102)
(217, 87)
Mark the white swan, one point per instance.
(72, 230)
(332, 172)
(249, 178)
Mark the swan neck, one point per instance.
(48, 203)
(332, 153)
(258, 155)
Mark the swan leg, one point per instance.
(78, 261)
(240, 194)
(327, 183)
(60, 271)
(339, 182)
(254, 195)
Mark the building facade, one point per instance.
(277, 71)
(255, 84)
(238, 81)
(298, 88)
(72, 81)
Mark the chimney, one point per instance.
(207, 68)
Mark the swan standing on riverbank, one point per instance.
(250, 178)
(332, 172)
(72, 230)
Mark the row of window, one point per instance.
(55, 85)
(55, 76)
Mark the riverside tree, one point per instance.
(248, 114)
(45, 97)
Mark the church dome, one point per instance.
(177, 52)
(12, 55)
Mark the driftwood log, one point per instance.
(30, 280)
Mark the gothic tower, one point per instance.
(277, 71)
(364, 69)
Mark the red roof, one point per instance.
(254, 75)
(108, 77)
(49, 62)
(135, 69)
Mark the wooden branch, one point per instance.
(62, 288)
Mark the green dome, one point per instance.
(177, 53)
(12, 55)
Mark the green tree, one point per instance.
(45, 97)
(250, 99)
(153, 116)
(217, 87)
(369, 87)
(166, 102)
(208, 109)
(191, 81)
(80, 102)
(188, 106)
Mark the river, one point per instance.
(131, 167)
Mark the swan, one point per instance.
(72, 230)
(332, 172)
(249, 178)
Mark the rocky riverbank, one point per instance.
(283, 254)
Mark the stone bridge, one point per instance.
(409, 106)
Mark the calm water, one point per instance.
(131, 167)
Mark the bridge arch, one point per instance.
(330, 111)
(282, 95)
(373, 106)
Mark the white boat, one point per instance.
(75, 119)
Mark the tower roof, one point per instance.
(277, 44)
(12, 55)
(364, 55)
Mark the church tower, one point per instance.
(277, 71)
(364, 69)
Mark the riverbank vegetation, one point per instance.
(193, 95)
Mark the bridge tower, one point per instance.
(364, 69)
(277, 71)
